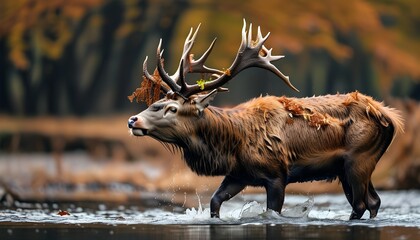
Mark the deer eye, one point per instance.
(173, 109)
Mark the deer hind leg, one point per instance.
(354, 191)
(373, 201)
(228, 189)
(359, 191)
(346, 188)
(358, 170)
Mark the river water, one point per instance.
(244, 217)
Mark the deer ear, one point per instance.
(203, 101)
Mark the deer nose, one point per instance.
(131, 121)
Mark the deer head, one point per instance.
(185, 103)
(164, 118)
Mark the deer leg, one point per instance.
(275, 194)
(228, 189)
(358, 204)
(359, 192)
(358, 168)
(373, 201)
(346, 188)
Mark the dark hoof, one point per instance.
(373, 214)
(355, 216)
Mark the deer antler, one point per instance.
(250, 54)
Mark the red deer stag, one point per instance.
(268, 141)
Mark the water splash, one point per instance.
(200, 213)
(299, 210)
(251, 210)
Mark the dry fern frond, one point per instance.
(149, 91)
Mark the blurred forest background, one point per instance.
(67, 67)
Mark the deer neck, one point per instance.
(209, 149)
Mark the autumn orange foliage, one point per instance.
(48, 22)
(385, 29)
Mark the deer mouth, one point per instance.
(139, 131)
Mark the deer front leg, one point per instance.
(228, 189)
(275, 194)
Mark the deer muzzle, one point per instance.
(135, 126)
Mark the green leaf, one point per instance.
(201, 83)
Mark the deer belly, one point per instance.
(325, 166)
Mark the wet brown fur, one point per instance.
(277, 132)
(272, 141)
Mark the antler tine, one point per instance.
(259, 34)
(244, 39)
(197, 66)
(145, 72)
(259, 42)
(182, 81)
(163, 74)
(249, 40)
(164, 88)
(188, 44)
(260, 39)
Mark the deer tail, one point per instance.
(386, 116)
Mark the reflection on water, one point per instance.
(244, 217)
(263, 231)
